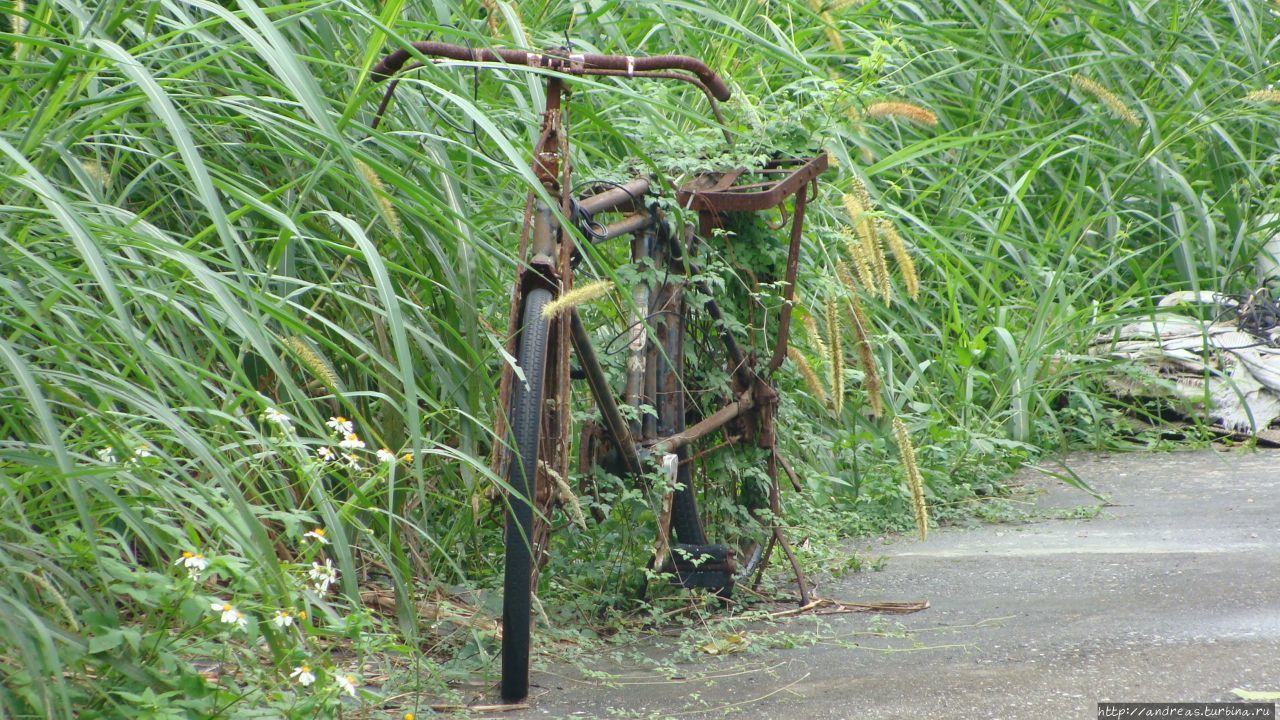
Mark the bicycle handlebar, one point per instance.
(571, 63)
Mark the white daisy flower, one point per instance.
(276, 417)
(141, 452)
(325, 454)
(386, 456)
(230, 615)
(341, 425)
(303, 675)
(317, 535)
(352, 461)
(323, 575)
(283, 619)
(107, 454)
(351, 441)
(195, 563)
(347, 683)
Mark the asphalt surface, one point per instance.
(1170, 592)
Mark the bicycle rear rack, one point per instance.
(743, 190)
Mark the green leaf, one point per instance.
(1255, 695)
(103, 643)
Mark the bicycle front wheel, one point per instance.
(526, 421)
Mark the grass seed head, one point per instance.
(1263, 96)
(310, 358)
(914, 481)
(900, 255)
(806, 372)
(385, 206)
(576, 297)
(95, 171)
(1106, 97)
(814, 336)
(870, 377)
(835, 364)
(903, 111)
(18, 23)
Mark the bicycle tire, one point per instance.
(686, 521)
(526, 421)
(685, 518)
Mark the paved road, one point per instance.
(1171, 593)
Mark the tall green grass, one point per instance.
(198, 224)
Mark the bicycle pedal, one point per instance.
(702, 566)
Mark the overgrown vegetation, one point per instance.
(208, 254)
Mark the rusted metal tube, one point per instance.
(740, 368)
(626, 226)
(613, 421)
(641, 247)
(617, 197)
(793, 261)
(715, 421)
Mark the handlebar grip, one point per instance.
(573, 64)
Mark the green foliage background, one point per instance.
(198, 223)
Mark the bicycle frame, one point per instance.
(655, 350)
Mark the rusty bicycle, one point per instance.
(535, 418)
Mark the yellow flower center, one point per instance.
(302, 614)
(306, 669)
(226, 607)
(187, 554)
(319, 531)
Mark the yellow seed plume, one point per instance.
(855, 121)
(491, 12)
(857, 245)
(853, 206)
(861, 263)
(914, 481)
(870, 377)
(900, 255)
(18, 23)
(815, 338)
(833, 35)
(871, 242)
(320, 367)
(828, 23)
(879, 264)
(576, 297)
(385, 206)
(1263, 96)
(835, 364)
(846, 277)
(862, 342)
(38, 579)
(1107, 98)
(95, 171)
(903, 110)
(870, 256)
(806, 372)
